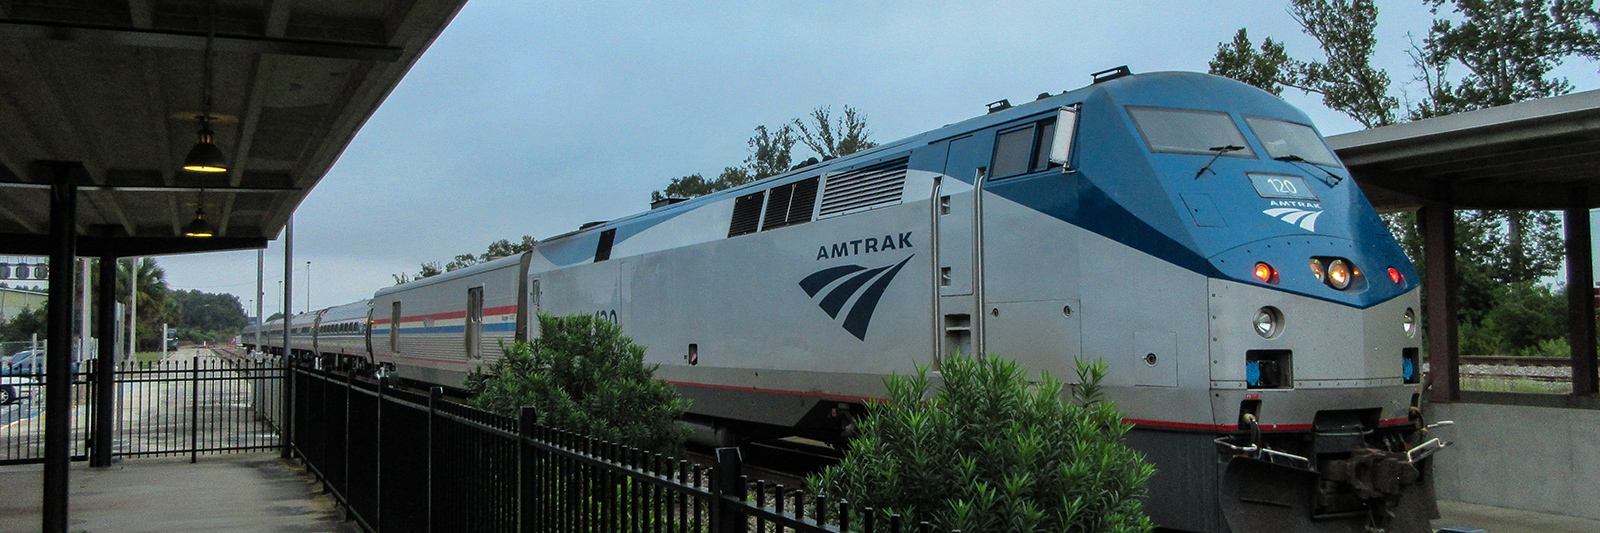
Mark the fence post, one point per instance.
(286, 404)
(527, 424)
(728, 486)
(434, 395)
(349, 391)
(377, 453)
(194, 409)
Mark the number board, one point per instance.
(1281, 186)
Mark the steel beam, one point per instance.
(58, 358)
(1438, 224)
(105, 304)
(1580, 299)
(28, 244)
(109, 35)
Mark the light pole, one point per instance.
(308, 286)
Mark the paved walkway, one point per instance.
(1467, 516)
(246, 492)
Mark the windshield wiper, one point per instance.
(1291, 158)
(1219, 150)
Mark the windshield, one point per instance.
(1282, 138)
(1188, 131)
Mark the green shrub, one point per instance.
(582, 375)
(989, 451)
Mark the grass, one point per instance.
(147, 357)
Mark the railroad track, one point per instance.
(1511, 360)
(1536, 369)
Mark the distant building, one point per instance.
(13, 301)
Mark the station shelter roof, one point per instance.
(1527, 155)
(105, 94)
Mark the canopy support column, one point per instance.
(1580, 299)
(58, 355)
(106, 328)
(1438, 224)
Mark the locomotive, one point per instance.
(1258, 321)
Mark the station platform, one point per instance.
(260, 492)
(242, 492)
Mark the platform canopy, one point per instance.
(1528, 155)
(105, 95)
(1534, 155)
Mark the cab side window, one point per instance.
(1023, 149)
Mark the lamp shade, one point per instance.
(199, 227)
(205, 156)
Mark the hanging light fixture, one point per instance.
(205, 156)
(199, 227)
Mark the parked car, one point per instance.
(5, 364)
(30, 363)
(13, 388)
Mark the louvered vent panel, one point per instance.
(805, 199)
(874, 186)
(746, 214)
(777, 207)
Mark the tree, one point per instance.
(582, 375)
(1346, 31)
(1267, 69)
(24, 325)
(831, 139)
(1508, 47)
(770, 151)
(208, 317)
(155, 306)
(695, 185)
(496, 250)
(990, 451)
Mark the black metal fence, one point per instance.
(403, 461)
(22, 436)
(219, 403)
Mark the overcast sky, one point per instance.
(531, 118)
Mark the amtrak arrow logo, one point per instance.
(855, 277)
(1300, 217)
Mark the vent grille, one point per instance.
(746, 214)
(865, 188)
(790, 204)
(777, 206)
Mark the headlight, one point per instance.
(1268, 322)
(1316, 270)
(1339, 274)
(1409, 322)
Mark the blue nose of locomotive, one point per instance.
(1230, 181)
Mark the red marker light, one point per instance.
(1266, 273)
(1395, 276)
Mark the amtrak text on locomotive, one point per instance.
(1292, 203)
(864, 246)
